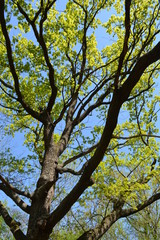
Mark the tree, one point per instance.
(88, 113)
(145, 224)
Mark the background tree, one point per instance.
(88, 112)
(145, 224)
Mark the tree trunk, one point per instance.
(41, 202)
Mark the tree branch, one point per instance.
(149, 201)
(8, 94)
(119, 97)
(13, 225)
(40, 39)
(111, 218)
(69, 170)
(143, 62)
(6, 84)
(9, 186)
(79, 155)
(69, 125)
(11, 108)
(139, 94)
(11, 63)
(99, 230)
(92, 94)
(136, 136)
(125, 44)
(18, 201)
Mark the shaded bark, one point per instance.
(13, 225)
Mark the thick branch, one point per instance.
(69, 125)
(98, 231)
(92, 164)
(13, 225)
(43, 190)
(144, 61)
(67, 202)
(19, 202)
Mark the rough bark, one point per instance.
(42, 198)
